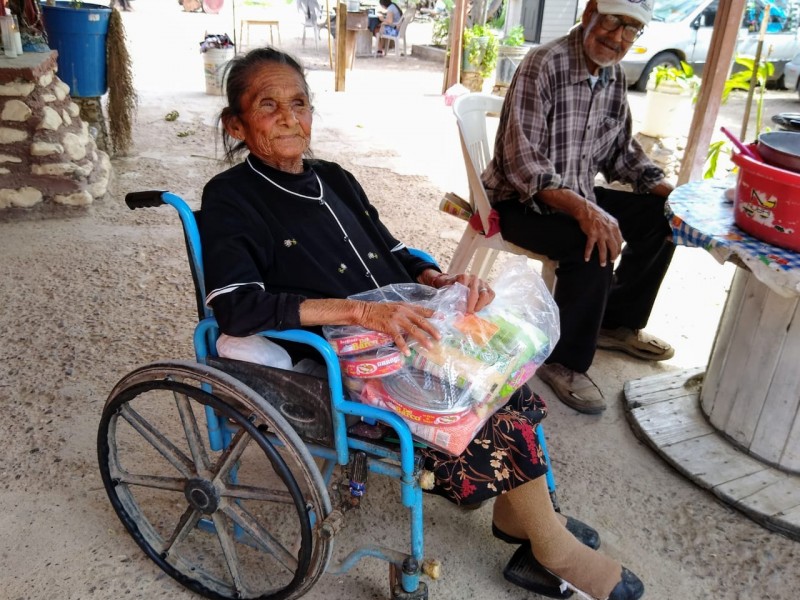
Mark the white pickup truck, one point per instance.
(681, 30)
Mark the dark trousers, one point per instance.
(590, 296)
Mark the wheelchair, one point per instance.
(251, 508)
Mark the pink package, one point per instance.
(452, 438)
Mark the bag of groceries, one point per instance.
(446, 393)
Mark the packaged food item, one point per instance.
(354, 340)
(421, 397)
(376, 363)
(449, 437)
(447, 392)
(455, 205)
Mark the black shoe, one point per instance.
(526, 572)
(584, 534)
(630, 587)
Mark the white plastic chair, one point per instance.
(311, 11)
(471, 111)
(408, 16)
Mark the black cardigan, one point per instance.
(265, 250)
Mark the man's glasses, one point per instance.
(611, 23)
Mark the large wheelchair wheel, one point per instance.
(241, 522)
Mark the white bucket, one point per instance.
(214, 61)
(666, 114)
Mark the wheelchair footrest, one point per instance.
(523, 570)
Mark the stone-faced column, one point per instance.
(46, 152)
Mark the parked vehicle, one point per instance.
(681, 30)
(791, 74)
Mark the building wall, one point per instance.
(558, 18)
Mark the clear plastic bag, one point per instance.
(447, 393)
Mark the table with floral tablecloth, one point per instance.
(702, 217)
(734, 430)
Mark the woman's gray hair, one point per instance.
(237, 75)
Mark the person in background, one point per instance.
(564, 120)
(387, 22)
(124, 5)
(286, 239)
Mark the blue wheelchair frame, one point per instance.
(205, 335)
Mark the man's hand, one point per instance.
(663, 189)
(602, 230)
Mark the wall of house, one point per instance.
(46, 152)
(558, 18)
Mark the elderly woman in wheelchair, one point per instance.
(285, 240)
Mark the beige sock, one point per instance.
(530, 509)
(504, 521)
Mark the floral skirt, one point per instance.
(505, 453)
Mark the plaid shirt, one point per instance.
(556, 131)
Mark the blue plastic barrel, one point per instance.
(79, 35)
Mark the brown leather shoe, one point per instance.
(635, 342)
(574, 389)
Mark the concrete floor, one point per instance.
(643, 509)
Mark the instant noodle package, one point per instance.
(446, 393)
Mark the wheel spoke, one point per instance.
(196, 446)
(229, 550)
(250, 492)
(186, 524)
(150, 481)
(166, 448)
(230, 457)
(239, 515)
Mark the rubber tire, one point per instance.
(236, 402)
(662, 58)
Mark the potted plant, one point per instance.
(510, 52)
(670, 91)
(741, 80)
(479, 56)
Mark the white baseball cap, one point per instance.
(641, 10)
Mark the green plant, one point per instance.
(715, 150)
(682, 77)
(515, 37)
(441, 31)
(740, 81)
(480, 49)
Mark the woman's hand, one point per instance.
(398, 320)
(479, 296)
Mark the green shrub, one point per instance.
(515, 37)
(481, 56)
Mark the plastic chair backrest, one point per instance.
(471, 111)
(407, 17)
(310, 10)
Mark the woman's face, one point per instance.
(275, 121)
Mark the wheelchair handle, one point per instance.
(148, 199)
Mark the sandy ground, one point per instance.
(89, 296)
